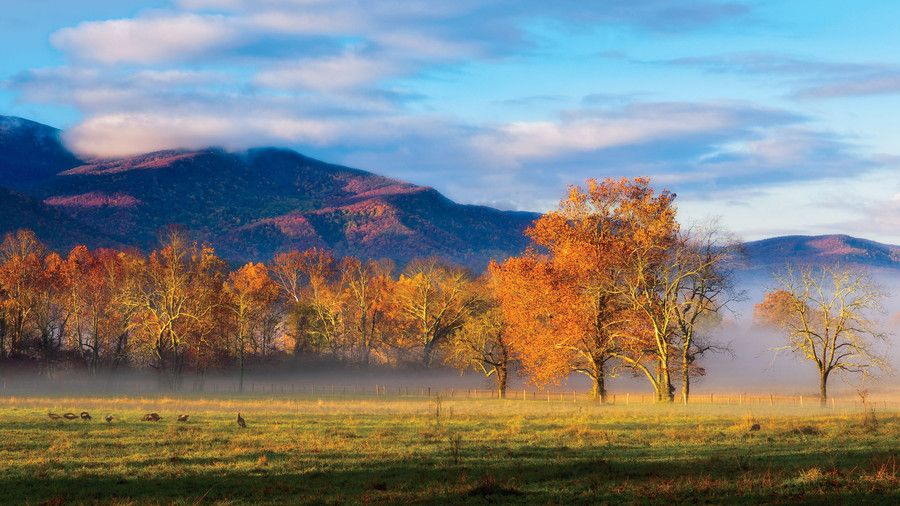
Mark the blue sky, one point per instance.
(775, 117)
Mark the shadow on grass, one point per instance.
(548, 475)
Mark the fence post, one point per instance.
(627, 398)
(801, 401)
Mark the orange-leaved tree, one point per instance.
(642, 227)
(251, 298)
(579, 299)
(482, 341)
(431, 300)
(309, 282)
(367, 286)
(21, 287)
(175, 298)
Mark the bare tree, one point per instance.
(827, 316)
(702, 290)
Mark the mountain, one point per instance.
(54, 227)
(253, 204)
(777, 252)
(30, 153)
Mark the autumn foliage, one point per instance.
(612, 284)
(181, 308)
(612, 281)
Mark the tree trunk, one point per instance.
(427, 354)
(241, 379)
(685, 379)
(501, 382)
(598, 389)
(2, 336)
(823, 389)
(665, 392)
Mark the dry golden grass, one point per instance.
(325, 450)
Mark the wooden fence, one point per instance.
(388, 391)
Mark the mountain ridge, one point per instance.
(821, 249)
(253, 204)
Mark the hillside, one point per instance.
(252, 204)
(30, 153)
(776, 252)
(55, 228)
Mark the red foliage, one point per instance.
(94, 199)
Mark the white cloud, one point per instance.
(112, 135)
(157, 38)
(864, 206)
(307, 22)
(524, 141)
(344, 71)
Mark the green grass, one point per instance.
(304, 450)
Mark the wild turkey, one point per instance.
(241, 423)
(183, 418)
(151, 417)
(108, 418)
(53, 416)
(70, 416)
(754, 427)
(85, 416)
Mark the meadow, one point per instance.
(328, 450)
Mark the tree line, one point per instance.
(612, 284)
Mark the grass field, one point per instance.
(308, 450)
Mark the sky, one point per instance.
(773, 117)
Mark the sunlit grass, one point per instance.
(321, 450)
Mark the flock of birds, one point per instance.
(149, 417)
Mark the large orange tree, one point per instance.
(309, 282)
(574, 300)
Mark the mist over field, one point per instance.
(756, 367)
(750, 366)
